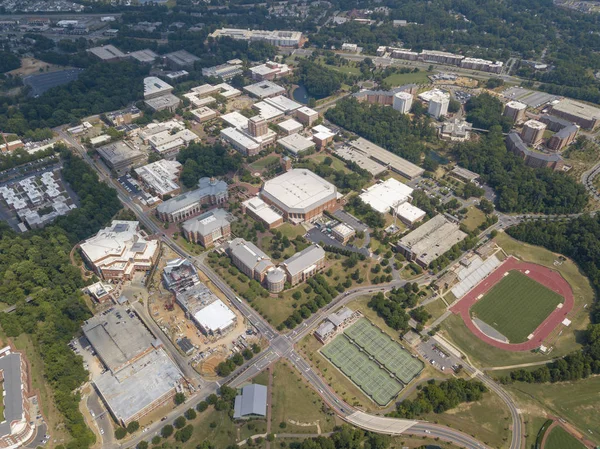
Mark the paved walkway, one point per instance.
(545, 276)
(389, 426)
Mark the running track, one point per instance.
(545, 276)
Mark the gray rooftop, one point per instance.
(304, 259)
(248, 253)
(182, 58)
(567, 131)
(207, 222)
(206, 187)
(146, 55)
(117, 337)
(432, 239)
(515, 139)
(139, 385)
(252, 401)
(107, 52)
(10, 365)
(340, 316)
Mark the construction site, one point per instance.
(167, 299)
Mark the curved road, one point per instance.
(283, 346)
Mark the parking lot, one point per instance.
(437, 357)
(317, 236)
(41, 83)
(354, 223)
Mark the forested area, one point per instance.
(577, 239)
(319, 80)
(354, 180)
(520, 188)
(200, 160)
(8, 62)
(485, 111)
(393, 307)
(384, 126)
(101, 88)
(440, 397)
(37, 264)
(488, 29)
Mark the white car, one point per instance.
(101, 431)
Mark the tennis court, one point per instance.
(375, 381)
(384, 350)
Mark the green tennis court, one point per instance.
(375, 381)
(384, 350)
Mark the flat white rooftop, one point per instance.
(298, 191)
(154, 85)
(283, 103)
(235, 119)
(386, 195)
(264, 89)
(295, 143)
(215, 317)
(262, 210)
(409, 212)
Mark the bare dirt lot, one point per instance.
(32, 66)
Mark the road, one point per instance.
(282, 346)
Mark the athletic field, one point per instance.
(364, 372)
(385, 350)
(516, 306)
(372, 360)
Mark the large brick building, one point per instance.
(299, 195)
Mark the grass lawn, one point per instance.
(485, 355)
(398, 79)
(264, 162)
(220, 430)
(577, 402)
(559, 438)
(436, 309)
(516, 306)
(487, 420)
(336, 164)
(293, 400)
(276, 310)
(474, 218)
(291, 231)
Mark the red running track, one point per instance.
(545, 276)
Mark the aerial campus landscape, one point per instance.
(305, 224)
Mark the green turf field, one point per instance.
(516, 306)
(560, 439)
(385, 350)
(364, 372)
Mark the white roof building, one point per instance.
(262, 210)
(264, 89)
(215, 318)
(284, 104)
(387, 195)
(160, 176)
(296, 144)
(235, 119)
(269, 70)
(118, 250)
(299, 191)
(268, 111)
(409, 214)
(155, 87)
(290, 126)
(433, 93)
(167, 143)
